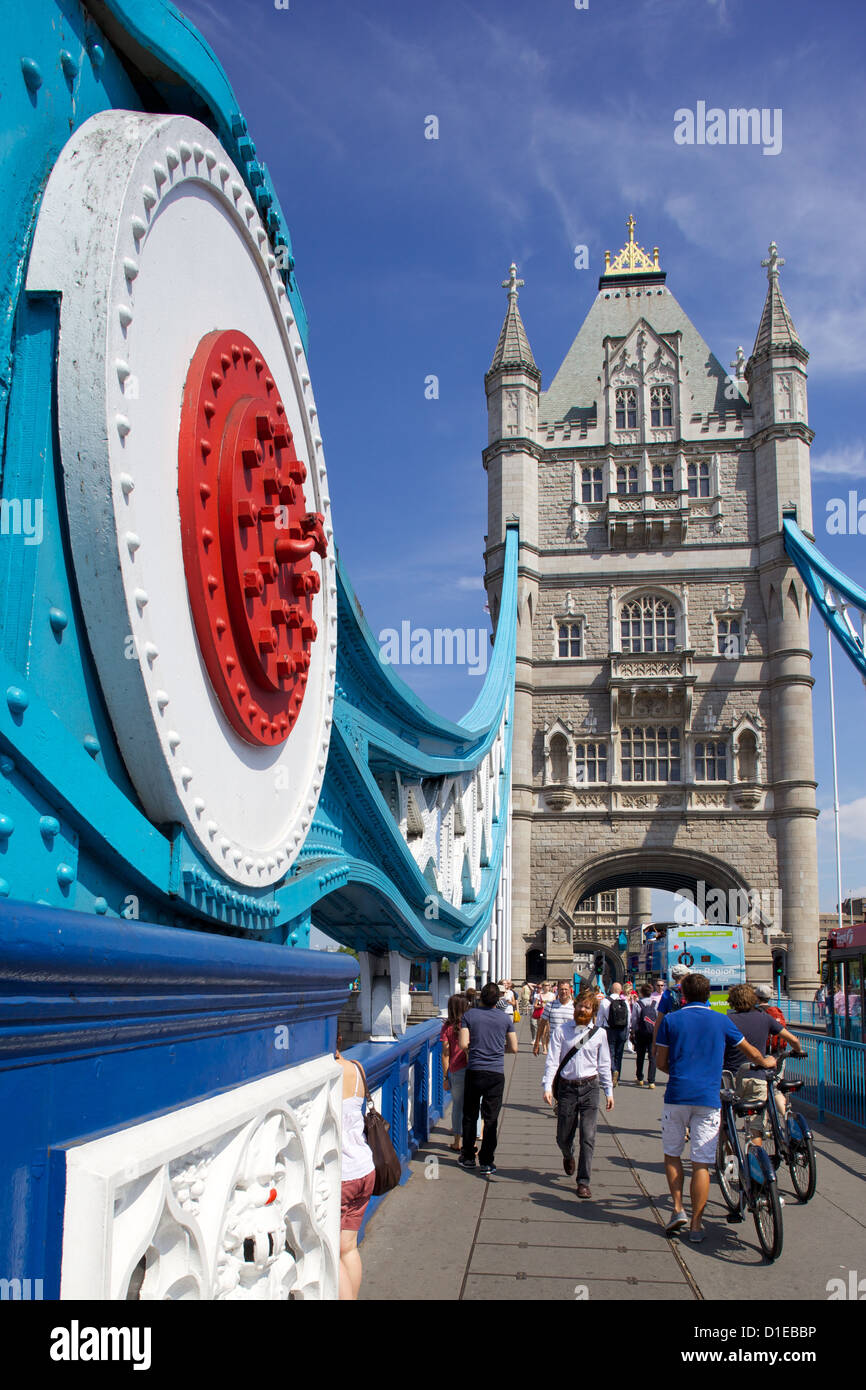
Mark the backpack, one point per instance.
(675, 999)
(618, 1014)
(648, 1015)
(775, 1043)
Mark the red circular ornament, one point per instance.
(247, 537)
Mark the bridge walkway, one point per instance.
(523, 1234)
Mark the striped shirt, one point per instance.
(557, 1014)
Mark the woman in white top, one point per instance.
(359, 1175)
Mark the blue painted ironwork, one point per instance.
(833, 593)
(105, 1024)
(834, 1072)
(405, 1080)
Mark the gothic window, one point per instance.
(626, 479)
(559, 758)
(663, 477)
(729, 637)
(607, 902)
(650, 754)
(711, 762)
(591, 760)
(699, 479)
(661, 410)
(648, 624)
(626, 408)
(570, 640)
(591, 484)
(747, 757)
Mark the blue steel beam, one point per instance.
(833, 593)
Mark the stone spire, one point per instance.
(776, 329)
(513, 348)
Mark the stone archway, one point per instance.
(668, 868)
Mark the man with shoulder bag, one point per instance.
(578, 1066)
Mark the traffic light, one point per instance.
(598, 963)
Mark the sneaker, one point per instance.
(487, 1169)
(676, 1223)
(697, 1236)
(651, 1086)
(465, 1162)
(638, 1083)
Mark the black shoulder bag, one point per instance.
(554, 1088)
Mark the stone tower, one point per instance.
(663, 726)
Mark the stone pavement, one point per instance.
(524, 1234)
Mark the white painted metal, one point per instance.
(235, 1197)
(150, 253)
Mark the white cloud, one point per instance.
(849, 461)
(852, 819)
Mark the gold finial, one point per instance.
(631, 258)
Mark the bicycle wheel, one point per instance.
(767, 1210)
(728, 1171)
(802, 1166)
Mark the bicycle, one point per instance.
(748, 1180)
(791, 1143)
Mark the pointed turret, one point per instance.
(776, 331)
(513, 348)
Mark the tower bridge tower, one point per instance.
(663, 720)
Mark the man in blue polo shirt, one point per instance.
(690, 1047)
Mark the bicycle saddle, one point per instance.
(749, 1107)
(786, 1086)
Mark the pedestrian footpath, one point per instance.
(524, 1234)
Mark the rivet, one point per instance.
(122, 368)
(198, 805)
(127, 483)
(7, 827)
(185, 150)
(209, 410)
(17, 699)
(225, 845)
(58, 619)
(133, 542)
(141, 599)
(130, 268)
(151, 652)
(97, 55)
(123, 425)
(160, 174)
(171, 158)
(7, 766)
(68, 64)
(32, 75)
(212, 828)
(139, 228)
(173, 739)
(206, 537)
(148, 195)
(161, 699)
(197, 153)
(216, 380)
(124, 313)
(100, 906)
(237, 189)
(185, 776)
(92, 744)
(49, 826)
(223, 172)
(65, 874)
(205, 446)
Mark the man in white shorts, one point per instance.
(690, 1047)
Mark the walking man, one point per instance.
(690, 1047)
(560, 1010)
(486, 1034)
(614, 1014)
(584, 1072)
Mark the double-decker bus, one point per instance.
(717, 952)
(842, 971)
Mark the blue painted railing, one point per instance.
(801, 1011)
(835, 1075)
(405, 1081)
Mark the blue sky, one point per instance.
(554, 124)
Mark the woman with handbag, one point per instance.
(454, 1061)
(359, 1175)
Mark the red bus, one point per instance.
(842, 973)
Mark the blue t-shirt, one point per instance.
(487, 1030)
(695, 1037)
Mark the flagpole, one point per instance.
(835, 780)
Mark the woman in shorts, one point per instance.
(358, 1174)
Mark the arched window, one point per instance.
(648, 624)
(559, 758)
(747, 757)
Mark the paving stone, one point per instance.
(503, 1288)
